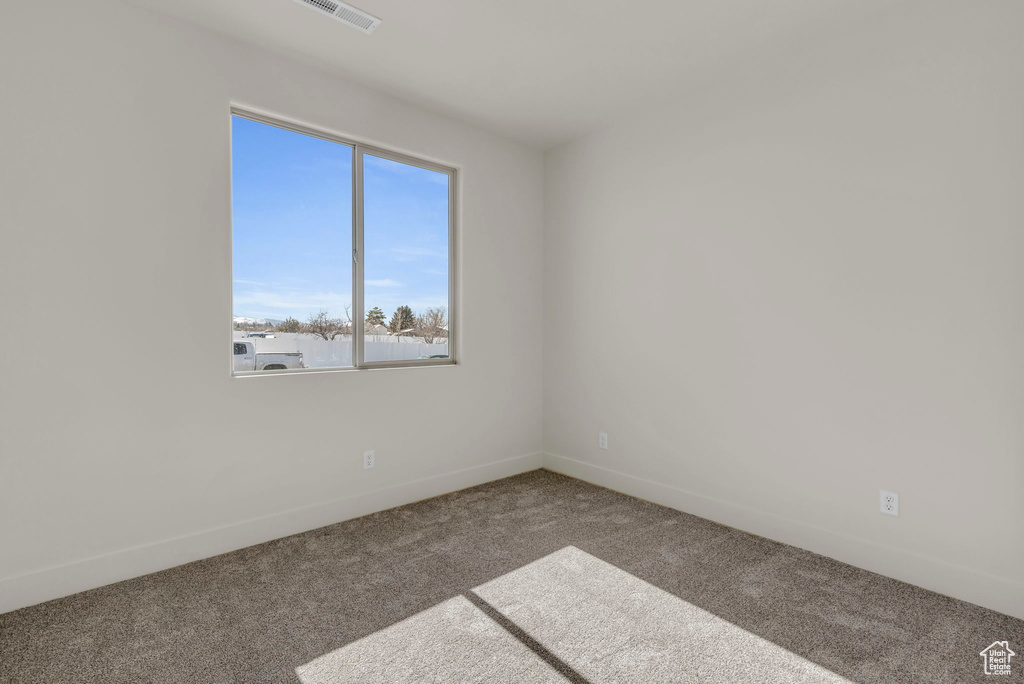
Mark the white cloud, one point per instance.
(384, 282)
(390, 301)
(268, 300)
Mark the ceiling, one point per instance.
(538, 71)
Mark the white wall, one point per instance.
(115, 214)
(832, 241)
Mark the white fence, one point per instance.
(320, 353)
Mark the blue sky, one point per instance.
(292, 214)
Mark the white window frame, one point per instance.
(359, 361)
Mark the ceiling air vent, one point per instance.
(346, 14)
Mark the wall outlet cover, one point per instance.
(888, 502)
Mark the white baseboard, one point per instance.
(990, 591)
(997, 593)
(63, 580)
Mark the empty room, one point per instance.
(459, 342)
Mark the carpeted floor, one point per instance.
(536, 578)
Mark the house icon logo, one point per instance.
(997, 658)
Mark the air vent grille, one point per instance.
(362, 21)
(345, 13)
(324, 5)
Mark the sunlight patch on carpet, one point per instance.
(452, 642)
(613, 627)
(595, 621)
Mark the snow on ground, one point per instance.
(320, 353)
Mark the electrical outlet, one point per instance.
(368, 457)
(888, 502)
(602, 440)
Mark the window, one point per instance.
(239, 349)
(342, 252)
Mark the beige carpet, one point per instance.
(536, 578)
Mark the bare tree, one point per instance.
(289, 325)
(253, 326)
(322, 325)
(432, 324)
(347, 321)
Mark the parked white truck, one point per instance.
(248, 359)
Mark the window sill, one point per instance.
(378, 366)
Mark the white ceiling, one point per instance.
(539, 71)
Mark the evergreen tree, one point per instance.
(289, 325)
(375, 317)
(402, 319)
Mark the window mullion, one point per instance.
(359, 327)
